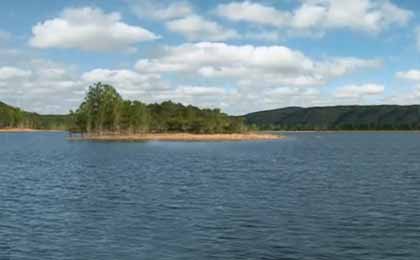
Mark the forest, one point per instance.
(104, 111)
(374, 117)
(12, 117)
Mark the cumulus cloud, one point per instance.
(40, 85)
(131, 84)
(253, 12)
(195, 27)
(361, 15)
(359, 91)
(412, 75)
(161, 10)
(88, 29)
(179, 17)
(257, 77)
(150, 88)
(252, 65)
(236, 78)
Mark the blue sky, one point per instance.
(241, 56)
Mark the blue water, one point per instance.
(311, 196)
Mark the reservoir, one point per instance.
(346, 195)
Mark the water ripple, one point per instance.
(311, 196)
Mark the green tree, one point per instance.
(103, 110)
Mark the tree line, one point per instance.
(13, 117)
(375, 117)
(105, 111)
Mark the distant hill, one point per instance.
(13, 117)
(381, 117)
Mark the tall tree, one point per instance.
(103, 110)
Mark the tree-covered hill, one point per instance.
(12, 117)
(381, 117)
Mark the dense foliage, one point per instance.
(382, 117)
(105, 111)
(12, 117)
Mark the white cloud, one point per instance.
(359, 91)
(128, 82)
(220, 58)
(261, 35)
(341, 66)
(88, 29)
(113, 76)
(365, 15)
(161, 10)
(8, 72)
(308, 15)
(151, 88)
(361, 15)
(251, 65)
(410, 95)
(252, 77)
(198, 95)
(180, 18)
(236, 78)
(195, 27)
(253, 12)
(200, 91)
(413, 75)
(41, 85)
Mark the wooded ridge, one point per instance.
(378, 117)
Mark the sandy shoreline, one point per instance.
(25, 130)
(179, 137)
(342, 131)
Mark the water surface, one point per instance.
(311, 196)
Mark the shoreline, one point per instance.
(180, 137)
(26, 130)
(342, 131)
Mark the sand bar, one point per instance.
(179, 137)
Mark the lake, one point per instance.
(310, 196)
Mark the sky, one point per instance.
(240, 56)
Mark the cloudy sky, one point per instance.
(241, 56)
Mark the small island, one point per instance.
(105, 116)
